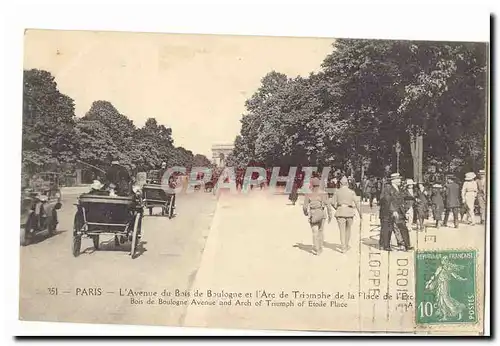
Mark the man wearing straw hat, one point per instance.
(392, 216)
(481, 194)
(469, 194)
(314, 207)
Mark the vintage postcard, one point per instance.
(252, 182)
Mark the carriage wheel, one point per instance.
(135, 235)
(24, 240)
(171, 208)
(25, 232)
(51, 227)
(95, 239)
(77, 239)
(150, 211)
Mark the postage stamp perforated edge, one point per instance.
(446, 327)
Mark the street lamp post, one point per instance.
(398, 151)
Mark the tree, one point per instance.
(201, 161)
(369, 95)
(48, 123)
(94, 143)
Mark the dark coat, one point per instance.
(452, 195)
(120, 177)
(409, 199)
(392, 200)
(437, 202)
(294, 195)
(421, 204)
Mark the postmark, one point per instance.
(446, 287)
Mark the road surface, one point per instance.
(172, 256)
(235, 243)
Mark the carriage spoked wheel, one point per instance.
(95, 239)
(171, 208)
(26, 230)
(135, 235)
(77, 239)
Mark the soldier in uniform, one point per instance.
(344, 201)
(392, 216)
(314, 207)
(481, 194)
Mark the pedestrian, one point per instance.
(332, 186)
(421, 206)
(314, 207)
(437, 203)
(371, 190)
(392, 216)
(481, 194)
(409, 198)
(366, 192)
(469, 194)
(294, 194)
(172, 184)
(344, 202)
(452, 201)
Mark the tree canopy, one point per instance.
(368, 95)
(53, 136)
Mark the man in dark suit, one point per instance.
(119, 176)
(452, 201)
(393, 215)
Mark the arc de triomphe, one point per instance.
(220, 153)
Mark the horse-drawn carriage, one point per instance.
(117, 215)
(155, 194)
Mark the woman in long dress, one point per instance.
(469, 194)
(294, 194)
(421, 206)
(447, 306)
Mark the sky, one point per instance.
(195, 84)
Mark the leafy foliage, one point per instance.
(48, 123)
(53, 136)
(369, 95)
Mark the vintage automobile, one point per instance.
(39, 206)
(99, 214)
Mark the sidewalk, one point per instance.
(261, 242)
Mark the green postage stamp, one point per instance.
(446, 287)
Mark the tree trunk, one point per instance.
(417, 151)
